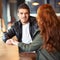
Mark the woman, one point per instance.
(50, 31)
(47, 42)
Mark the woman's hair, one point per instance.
(49, 26)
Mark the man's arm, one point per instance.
(9, 34)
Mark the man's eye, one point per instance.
(21, 13)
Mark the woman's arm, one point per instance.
(36, 43)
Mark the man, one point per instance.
(23, 29)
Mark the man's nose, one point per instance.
(24, 15)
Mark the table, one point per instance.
(8, 52)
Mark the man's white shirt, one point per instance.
(26, 37)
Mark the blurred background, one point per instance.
(8, 10)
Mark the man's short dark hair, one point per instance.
(24, 6)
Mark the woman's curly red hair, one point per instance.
(49, 25)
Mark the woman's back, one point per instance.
(49, 26)
(43, 54)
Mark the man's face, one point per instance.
(23, 15)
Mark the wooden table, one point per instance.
(8, 52)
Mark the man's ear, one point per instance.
(17, 14)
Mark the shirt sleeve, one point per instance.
(35, 45)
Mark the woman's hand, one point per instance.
(14, 42)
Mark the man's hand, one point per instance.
(9, 42)
(12, 42)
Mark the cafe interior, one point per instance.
(8, 15)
